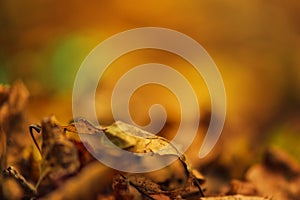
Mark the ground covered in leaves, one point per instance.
(52, 163)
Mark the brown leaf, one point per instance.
(4, 93)
(280, 161)
(121, 188)
(2, 149)
(88, 184)
(145, 185)
(133, 139)
(277, 176)
(59, 156)
(235, 197)
(127, 137)
(17, 98)
(243, 188)
(12, 103)
(160, 197)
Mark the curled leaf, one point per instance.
(135, 140)
(60, 157)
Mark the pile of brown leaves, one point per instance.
(54, 164)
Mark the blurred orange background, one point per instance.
(255, 44)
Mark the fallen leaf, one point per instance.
(277, 176)
(121, 188)
(135, 140)
(241, 187)
(235, 197)
(59, 156)
(12, 102)
(88, 184)
(2, 149)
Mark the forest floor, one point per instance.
(54, 164)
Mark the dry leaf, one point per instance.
(136, 140)
(121, 188)
(59, 159)
(59, 156)
(278, 176)
(133, 139)
(235, 197)
(2, 149)
(127, 137)
(243, 188)
(88, 184)
(12, 102)
(280, 161)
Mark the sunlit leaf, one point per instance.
(135, 140)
